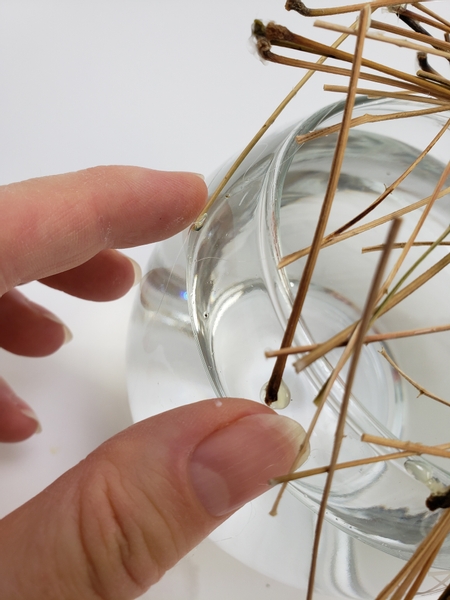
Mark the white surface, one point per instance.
(169, 85)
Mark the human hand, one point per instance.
(111, 526)
(62, 230)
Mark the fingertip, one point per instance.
(18, 421)
(31, 416)
(71, 218)
(67, 334)
(222, 480)
(108, 275)
(149, 206)
(186, 195)
(28, 329)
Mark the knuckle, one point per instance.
(128, 543)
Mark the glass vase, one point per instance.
(213, 300)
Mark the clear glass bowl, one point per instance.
(216, 297)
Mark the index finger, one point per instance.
(56, 223)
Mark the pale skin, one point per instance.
(111, 526)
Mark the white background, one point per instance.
(169, 85)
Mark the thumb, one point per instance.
(111, 526)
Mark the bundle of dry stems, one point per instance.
(426, 33)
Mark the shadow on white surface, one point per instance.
(209, 573)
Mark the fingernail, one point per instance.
(137, 271)
(200, 175)
(67, 333)
(29, 412)
(233, 465)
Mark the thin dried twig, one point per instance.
(413, 18)
(325, 388)
(414, 35)
(373, 93)
(433, 76)
(395, 269)
(369, 339)
(392, 300)
(368, 118)
(334, 239)
(347, 465)
(400, 245)
(267, 54)
(270, 121)
(414, 566)
(278, 35)
(432, 14)
(319, 401)
(424, 65)
(405, 276)
(402, 445)
(389, 189)
(274, 383)
(445, 594)
(422, 391)
(400, 42)
(338, 10)
(411, 588)
(360, 332)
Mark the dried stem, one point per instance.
(445, 173)
(274, 383)
(433, 15)
(339, 10)
(420, 37)
(433, 76)
(335, 235)
(402, 445)
(347, 465)
(411, 565)
(321, 398)
(360, 332)
(393, 185)
(400, 42)
(405, 14)
(401, 281)
(433, 540)
(400, 245)
(334, 239)
(281, 36)
(421, 389)
(201, 218)
(349, 334)
(390, 302)
(424, 569)
(394, 299)
(367, 118)
(372, 93)
(445, 594)
(369, 339)
(319, 401)
(302, 64)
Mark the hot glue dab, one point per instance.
(422, 473)
(283, 397)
